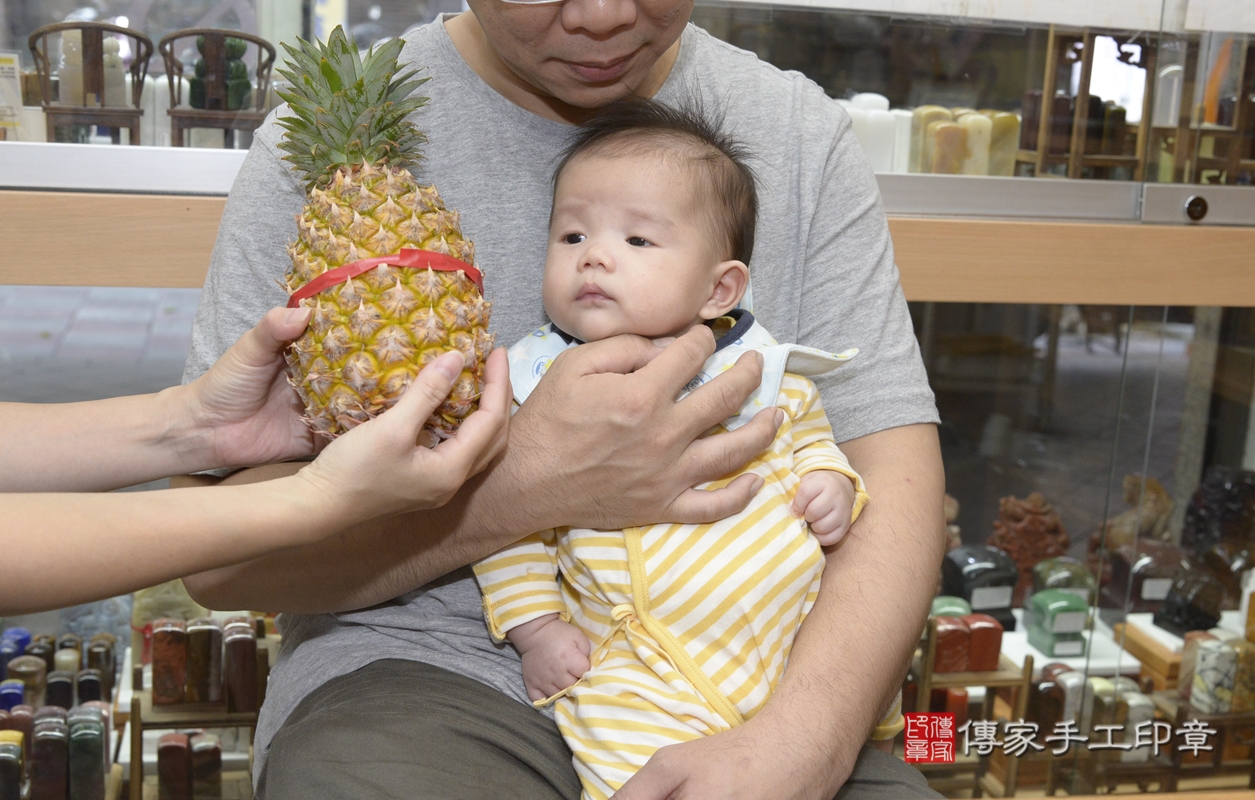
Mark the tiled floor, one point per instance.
(61, 344)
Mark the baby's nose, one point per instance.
(597, 258)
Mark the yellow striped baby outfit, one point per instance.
(690, 625)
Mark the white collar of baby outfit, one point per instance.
(532, 355)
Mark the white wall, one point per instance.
(1230, 16)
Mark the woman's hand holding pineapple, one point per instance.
(377, 465)
(71, 548)
(243, 411)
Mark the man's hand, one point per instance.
(850, 654)
(825, 498)
(243, 408)
(600, 443)
(555, 655)
(740, 764)
(618, 451)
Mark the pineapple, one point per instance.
(349, 140)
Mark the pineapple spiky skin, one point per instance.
(349, 139)
(369, 337)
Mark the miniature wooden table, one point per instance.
(145, 716)
(946, 777)
(1177, 712)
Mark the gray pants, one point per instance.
(401, 729)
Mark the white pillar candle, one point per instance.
(870, 101)
(148, 101)
(901, 139)
(858, 122)
(979, 129)
(880, 140)
(31, 124)
(204, 137)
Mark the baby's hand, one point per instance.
(826, 499)
(555, 655)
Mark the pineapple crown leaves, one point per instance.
(348, 109)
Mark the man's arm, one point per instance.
(630, 464)
(850, 656)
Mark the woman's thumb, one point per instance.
(429, 389)
(274, 332)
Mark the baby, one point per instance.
(658, 635)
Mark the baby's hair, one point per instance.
(639, 126)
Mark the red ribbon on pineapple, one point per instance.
(407, 258)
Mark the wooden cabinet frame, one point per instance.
(97, 239)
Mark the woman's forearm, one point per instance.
(109, 544)
(99, 445)
(241, 412)
(376, 560)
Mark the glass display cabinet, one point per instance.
(1069, 190)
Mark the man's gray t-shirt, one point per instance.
(822, 273)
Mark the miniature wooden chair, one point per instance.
(91, 109)
(216, 113)
(947, 777)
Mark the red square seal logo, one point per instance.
(929, 738)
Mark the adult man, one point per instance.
(348, 711)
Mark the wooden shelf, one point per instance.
(191, 715)
(1104, 160)
(1087, 159)
(1007, 674)
(212, 117)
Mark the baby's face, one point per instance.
(628, 250)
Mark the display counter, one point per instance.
(956, 238)
(1082, 293)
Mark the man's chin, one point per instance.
(592, 96)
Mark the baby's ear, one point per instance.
(731, 280)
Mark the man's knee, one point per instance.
(394, 726)
(878, 775)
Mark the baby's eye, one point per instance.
(638, 241)
(573, 238)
